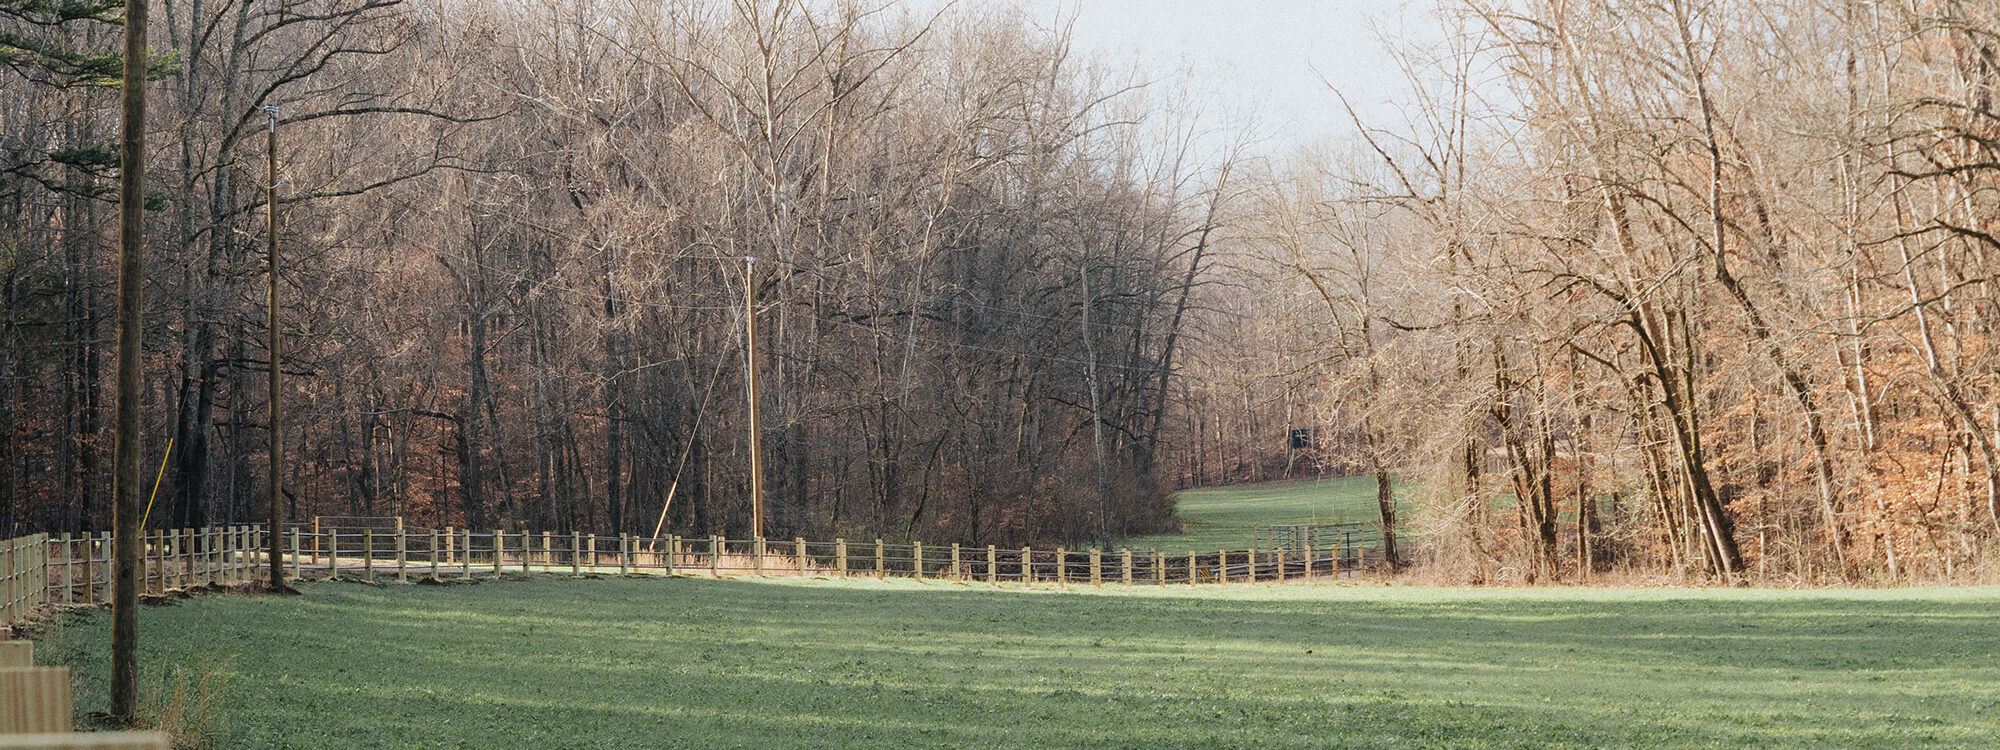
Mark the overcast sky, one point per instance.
(1259, 56)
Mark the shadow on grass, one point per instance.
(703, 663)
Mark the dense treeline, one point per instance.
(1693, 287)
(1696, 286)
(515, 238)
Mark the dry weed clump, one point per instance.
(188, 703)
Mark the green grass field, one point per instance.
(695, 663)
(1228, 517)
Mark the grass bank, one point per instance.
(1228, 517)
(693, 663)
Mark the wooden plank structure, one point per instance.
(34, 700)
(86, 741)
(35, 709)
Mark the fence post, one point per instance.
(104, 566)
(368, 554)
(1159, 568)
(840, 557)
(402, 553)
(715, 557)
(170, 553)
(499, 546)
(160, 559)
(89, 556)
(917, 559)
(624, 554)
(1280, 552)
(1097, 567)
(673, 554)
(548, 559)
(954, 562)
(575, 552)
(91, 544)
(1125, 565)
(1062, 567)
(84, 593)
(992, 564)
(590, 551)
(1028, 565)
(880, 571)
(799, 551)
(183, 557)
(757, 554)
(1250, 556)
(69, 571)
(202, 554)
(1309, 559)
(333, 551)
(10, 592)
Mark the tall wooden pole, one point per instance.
(277, 516)
(125, 452)
(750, 385)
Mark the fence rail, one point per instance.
(76, 569)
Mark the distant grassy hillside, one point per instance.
(1228, 517)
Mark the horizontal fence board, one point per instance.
(17, 654)
(87, 741)
(34, 700)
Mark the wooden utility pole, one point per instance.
(277, 517)
(750, 385)
(125, 452)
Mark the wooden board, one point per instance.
(86, 741)
(34, 700)
(17, 654)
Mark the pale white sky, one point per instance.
(1265, 57)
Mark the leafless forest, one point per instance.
(1687, 288)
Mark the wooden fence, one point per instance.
(462, 553)
(76, 569)
(35, 708)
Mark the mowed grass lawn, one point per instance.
(695, 663)
(1227, 517)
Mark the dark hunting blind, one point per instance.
(1305, 438)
